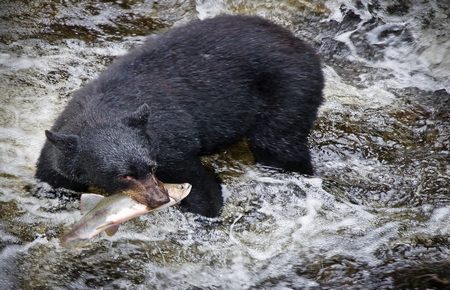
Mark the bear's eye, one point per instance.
(126, 177)
(152, 168)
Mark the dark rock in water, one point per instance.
(399, 7)
(10, 210)
(434, 275)
(331, 48)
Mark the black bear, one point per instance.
(190, 91)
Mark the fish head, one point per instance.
(178, 191)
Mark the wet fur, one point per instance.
(208, 84)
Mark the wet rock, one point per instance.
(10, 210)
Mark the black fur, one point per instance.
(206, 85)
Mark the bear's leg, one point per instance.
(206, 194)
(281, 146)
(290, 93)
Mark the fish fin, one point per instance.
(112, 230)
(88, 201)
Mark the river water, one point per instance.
(375, 216)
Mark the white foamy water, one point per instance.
(423, 62)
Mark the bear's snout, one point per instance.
(148, 191)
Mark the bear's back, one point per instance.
(222, 72)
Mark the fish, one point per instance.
(107, 213)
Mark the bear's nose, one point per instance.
(155, 192)
(148, 191)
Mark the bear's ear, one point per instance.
(64, 142)
(138, 117)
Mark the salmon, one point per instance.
(102, 213)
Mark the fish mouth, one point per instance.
(177, 191)
(177, 196)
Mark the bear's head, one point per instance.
(115, 157)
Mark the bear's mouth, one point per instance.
(148, 191)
